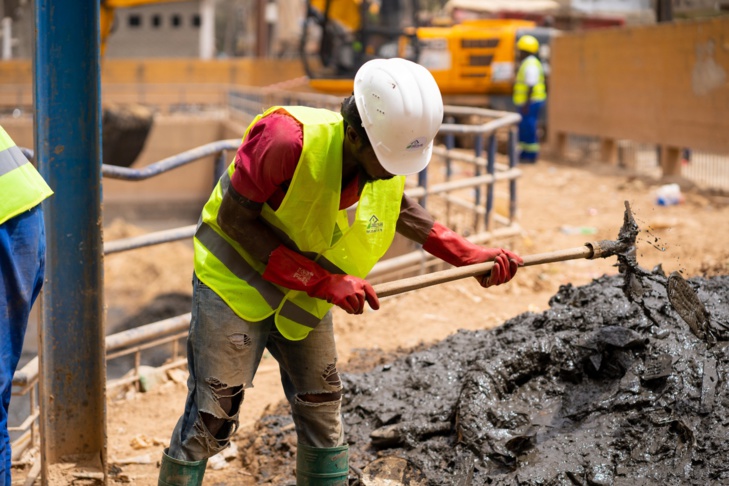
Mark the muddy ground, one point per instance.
(545, 316)
(608, 386)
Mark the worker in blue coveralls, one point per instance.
(22, 262)
(530, 93)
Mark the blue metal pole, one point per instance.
(67, 129)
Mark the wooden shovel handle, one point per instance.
(418, 282)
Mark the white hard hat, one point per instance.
(401, 109)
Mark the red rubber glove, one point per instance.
(451, 247)
(294, 271)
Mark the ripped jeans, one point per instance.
(223, 353)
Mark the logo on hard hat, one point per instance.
(418, 143)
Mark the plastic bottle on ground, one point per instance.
(669, 195)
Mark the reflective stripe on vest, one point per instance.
(539, 91)
(307, 220)
(241, 269)
(21, 186)
(529, 147)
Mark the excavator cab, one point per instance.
(473, 61)
(341, 35)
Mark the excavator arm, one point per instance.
(125, 129)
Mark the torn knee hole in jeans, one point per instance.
(229, 400)
(331, 378)
(319, 398)
(221, 429)
(331, 375)
(240, 340)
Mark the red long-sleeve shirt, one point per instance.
(265, 163)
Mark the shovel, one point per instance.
(596, 249)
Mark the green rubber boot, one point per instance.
(174, 472)
(322, 466)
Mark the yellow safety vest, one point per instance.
(309, 220)
(539, 90)
(21, 186)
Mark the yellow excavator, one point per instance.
(473, 62)
(125, 128)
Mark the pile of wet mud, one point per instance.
(620, 381)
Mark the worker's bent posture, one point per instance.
(274, 251)
(22, 261)
(529, 96)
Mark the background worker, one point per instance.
(22, 263)
(275, 250)
(530, 93)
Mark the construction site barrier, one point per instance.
(465, 187)
(622, 107)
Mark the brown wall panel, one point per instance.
(169, 136)
(244, 71)
(666, 84)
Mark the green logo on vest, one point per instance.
(375, 225)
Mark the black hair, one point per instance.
(352, 117)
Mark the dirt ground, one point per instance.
(557, 203)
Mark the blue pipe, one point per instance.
(67, 126)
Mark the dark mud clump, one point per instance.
(609, 386)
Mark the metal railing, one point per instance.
(465, 186)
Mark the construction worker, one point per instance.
(274, 251)
(529, 96)
(22, 261)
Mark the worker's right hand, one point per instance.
(294, 271)
(505, 266)
(458, 251)
(346, 291)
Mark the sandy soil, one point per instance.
(554, 199)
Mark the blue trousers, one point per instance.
(22, 265)
(528, 137)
